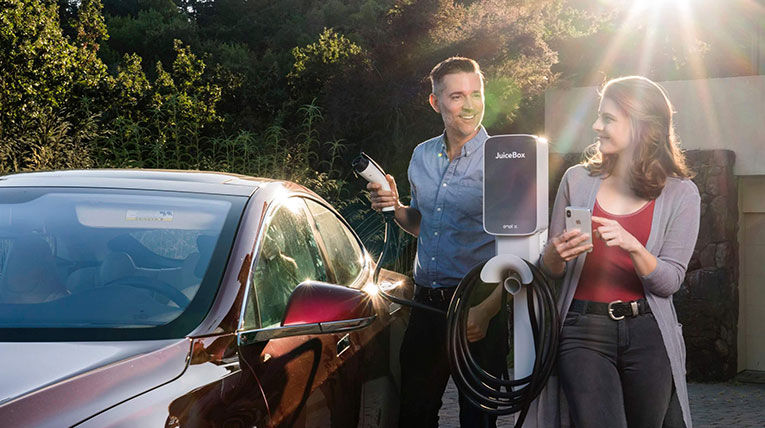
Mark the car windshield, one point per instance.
(100, 263)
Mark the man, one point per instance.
(446, 178)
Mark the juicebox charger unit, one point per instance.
(515, 211)
(515, 185)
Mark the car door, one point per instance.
(371, 374)
(302, 377)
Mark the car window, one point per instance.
(288, 256)
(346, 257)
(116, 259)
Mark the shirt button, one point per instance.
(432, 258)
(435, 233)
(444, 184)
(438, 209)
(434, 282)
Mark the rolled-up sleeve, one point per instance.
(412, 188)
(679, 240)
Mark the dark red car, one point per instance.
(161, 298)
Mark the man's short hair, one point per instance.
(455, 64)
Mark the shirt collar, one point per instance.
(471, 145)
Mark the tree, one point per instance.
(46, 119)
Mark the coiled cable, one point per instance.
(493, 395)
(500, 395)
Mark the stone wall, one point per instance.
(707, 303)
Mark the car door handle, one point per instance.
(343, 344)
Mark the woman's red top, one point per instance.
(608, 273)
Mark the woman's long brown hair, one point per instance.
(657, 155)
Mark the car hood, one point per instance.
(74, 381)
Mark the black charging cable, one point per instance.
(500, 395)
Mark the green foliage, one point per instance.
(36, 61)
(320, 64)
(49, 86)
(48, 141)
(90, 27)
(331, 48)
(503, 98)
(149, 32)
(290, 89)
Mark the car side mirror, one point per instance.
(318, 308)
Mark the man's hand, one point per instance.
(406, 217)
(383, 198)
(477, 323)
(481, 314)
(614, 235)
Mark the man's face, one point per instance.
(460, 102)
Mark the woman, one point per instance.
(621, 362)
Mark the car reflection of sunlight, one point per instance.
(295, 205)
(373, 289)
(201, 373)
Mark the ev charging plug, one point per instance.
(367, 168)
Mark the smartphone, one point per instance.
(580, 218)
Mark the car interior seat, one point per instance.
(116, 265)
(31, 274)
(195, 265)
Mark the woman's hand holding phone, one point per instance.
(568, 245)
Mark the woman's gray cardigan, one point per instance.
(674, 230)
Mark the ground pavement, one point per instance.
(731, 404)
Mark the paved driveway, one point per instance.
(729, 404)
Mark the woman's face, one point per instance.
(612, 128)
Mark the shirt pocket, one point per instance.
(468, 197)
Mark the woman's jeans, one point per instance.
(614, 373)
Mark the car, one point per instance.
(177, 298)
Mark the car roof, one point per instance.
(143, 179)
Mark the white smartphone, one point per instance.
(580, 218)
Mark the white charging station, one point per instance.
(515, 210)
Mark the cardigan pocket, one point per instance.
(681, 345)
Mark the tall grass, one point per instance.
(168, 139)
